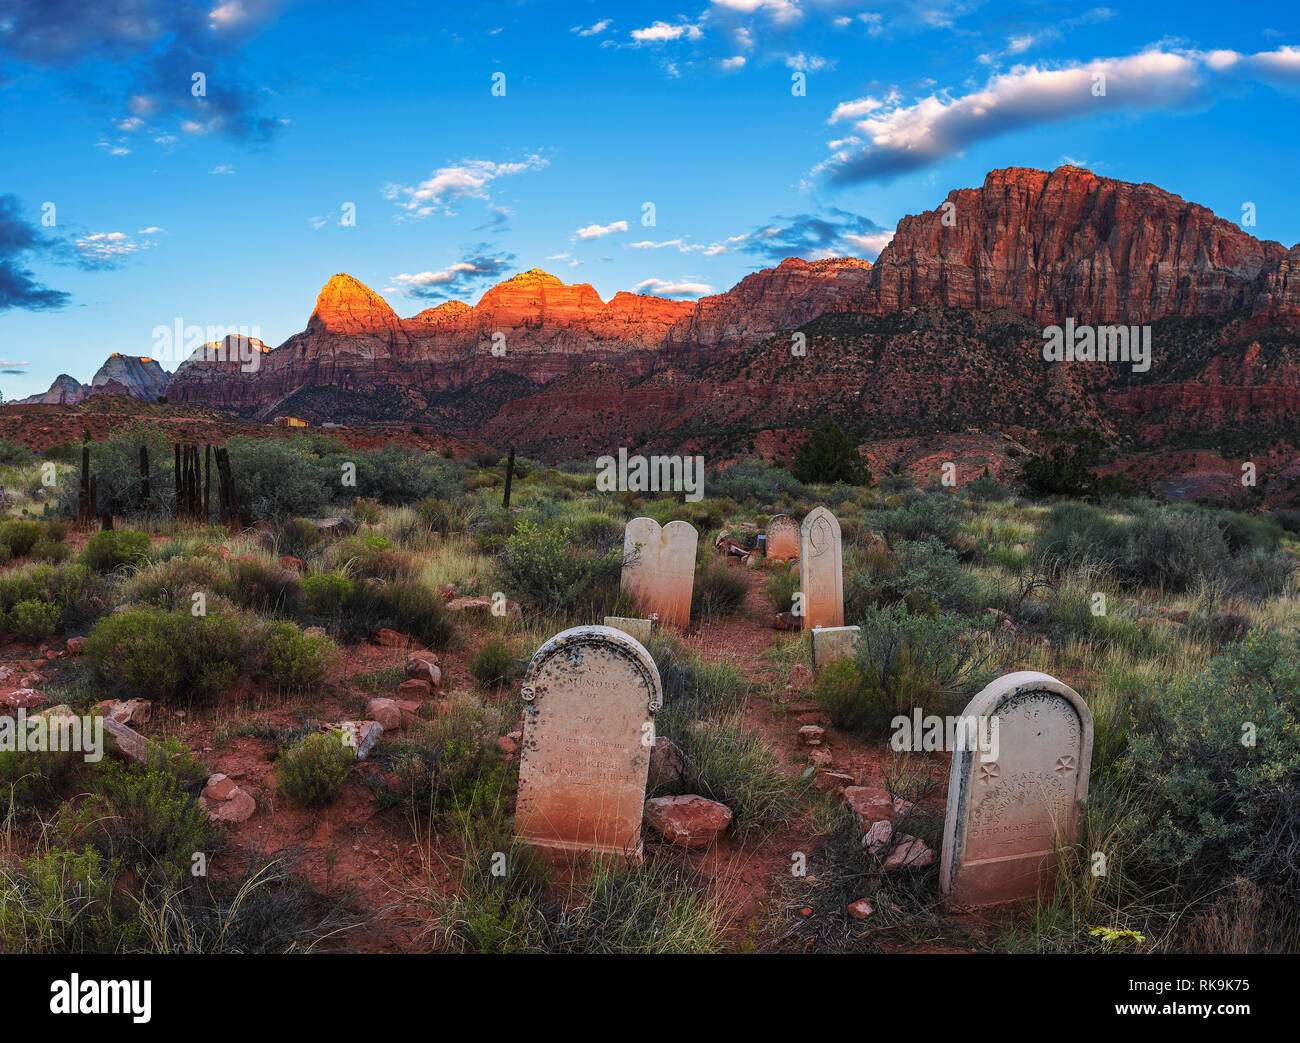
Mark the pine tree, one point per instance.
(829, 455)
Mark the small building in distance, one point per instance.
(291, 421)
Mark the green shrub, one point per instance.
(60, 901)
(325, 596)
(781, 587)
(828, 455)
(549, 565)
(718, 591)
(297, 536)
(34, 620)
(20, 536)
(266, 587)
(171, 656)
(46, 549)
(111, 549)
(756, 481)
(313, 769)
(493, 664)
(297, 660)
(1217, 774)
(451, 766)
(145, 817)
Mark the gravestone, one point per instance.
(782, 538)
(638, 628)
(659, 567)
(832, 643)
(590, 696)
(1008, 816)
(821, 570)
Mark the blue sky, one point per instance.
(226, 208)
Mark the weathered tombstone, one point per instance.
(1009, 816)
(782, 538)
(638, 628)
(821, 570)
(590, 696)
(832, 643)
(659, 567)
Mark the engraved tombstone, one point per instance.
(821, 571)
(590, 696)
(1013, 807)
(832, 643)
(659, 567)
(782, 538)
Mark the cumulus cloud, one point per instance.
(20, 240)
(663, 32)
(598, 231)
(682, 288)
(461, 279)
(468, 179)
(891, 137)
(138, 51)
(814, 237)
(96, 251)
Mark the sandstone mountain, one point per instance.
(944, 332)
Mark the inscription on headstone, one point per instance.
(659, 567)
(821, 570)
(590, 696)
(782, 538)
(832, 643)
(1009, 815)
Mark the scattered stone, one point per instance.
(294, 564)
(667, 763)
(359, 735)
(130, 711)
(909, 853)
(877, 838)
(390, 639)
(386, 712)
(483, 605)
(424, 667)
(410, 711)
(820, 758)
(811, 734)
(225, 802)
(874, 805)
(22, 699)
(76, 645)
(508, 745)
(800, 679)
(688, 821)
(832, 781)
(861, 909)
(414, 689)
(126, 742)
(787, 621)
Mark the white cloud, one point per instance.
(106, 249)
(871, 244)
(468, 179)
(113, 150)
(227, 15)
(153, 230)
(779, 10)
(899, 137)
(661, 32)
(738, 62)
(807, 62)
(224, 168)
(681, 288)
(597, 231)
(649, 244)
(593, 30)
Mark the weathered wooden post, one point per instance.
(510, 477)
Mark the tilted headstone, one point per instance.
(832, 643)
(641, 629)
(590, 696)
(659, 567)
(1009, 816)
(782, 538)
(821, 570)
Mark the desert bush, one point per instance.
(781, 587)
(297, 536)
(172, 583)
(33, 620)
(170, 656)
(450, 767)
(265, 586)
(493, 664)
(46, 549)
(60, 901)
(314, 768)
(920, 516)
(829, 455)
(324, 596)
(144, 817)
(718, 591)
(905, 662)
(549, 566)
(20, 536)
(112, 549)
(1174, 550)
(396, 475)
(365, 511)
(296, 660)
(754, 481)
(1217, 773)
